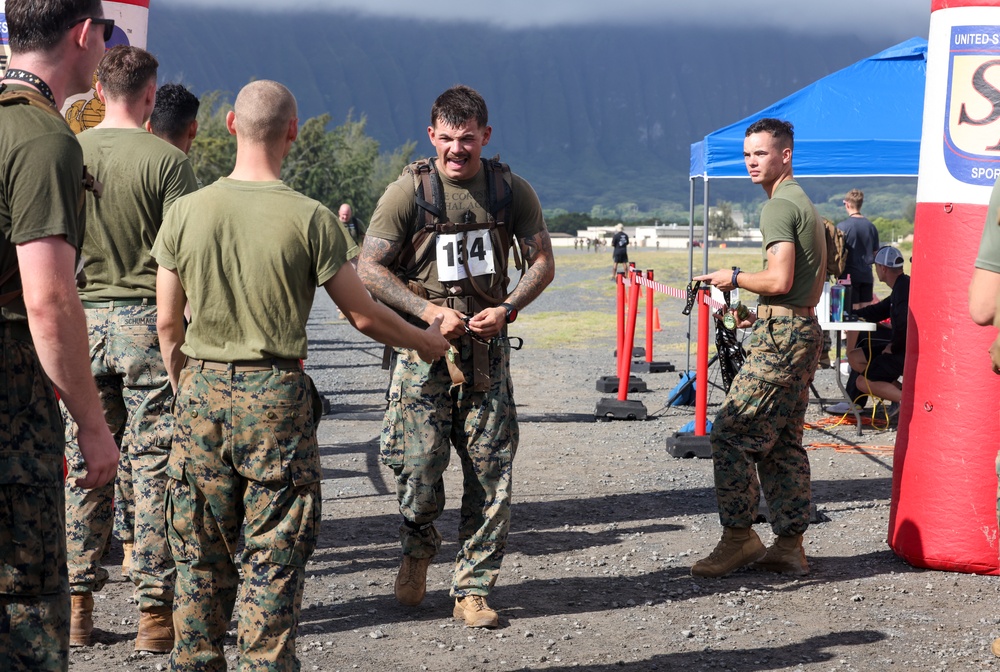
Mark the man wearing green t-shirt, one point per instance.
(457, 274)
(175, 116)
(984, 289)
(757, 435)
(142, 176)
(248, 253)
(55, 46)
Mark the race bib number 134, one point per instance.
(455, 251)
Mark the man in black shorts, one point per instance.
(619, 247)
(877, 362)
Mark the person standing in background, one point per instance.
(861, 241)
(619, 250)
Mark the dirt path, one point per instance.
(606, 525)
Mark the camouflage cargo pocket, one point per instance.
(32, 539)
(780, 349)
(180, 514)
(281, 445)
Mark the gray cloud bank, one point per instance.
(889, 18)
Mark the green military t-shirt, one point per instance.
(250, 256)
(41, 166)
(790, 217)
(396, 215)
(988, 257)
(142, 177)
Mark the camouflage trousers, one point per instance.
(424, 418)
(757, 435)
(135, 395)
(244, 458)
(34, 592)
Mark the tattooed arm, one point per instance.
(537, 253)
(377, 255)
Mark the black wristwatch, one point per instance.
(736, 271)
(511, 312)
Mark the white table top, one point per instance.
(848, 326)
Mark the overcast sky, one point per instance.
(897, 19)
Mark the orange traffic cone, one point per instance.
(656, 319)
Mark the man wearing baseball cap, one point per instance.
(877, 363)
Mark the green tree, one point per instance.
(332, 165)
(213, 152)
(721, 224)
(890, 230)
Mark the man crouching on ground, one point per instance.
(759, 429)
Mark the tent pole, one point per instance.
(687, 366)
(704, 230)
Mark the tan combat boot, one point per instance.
(995, 647)
(475, 612)
(785, 556)
(739, 547)
(126, 559)
(156, 630)
(411, 580)
(81, 619)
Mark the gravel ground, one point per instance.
(606, 525)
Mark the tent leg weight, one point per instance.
(653, 367)
(609, 384)
(637, 353)
(686, 445)
(613, 409)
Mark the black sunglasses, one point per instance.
(109, 25)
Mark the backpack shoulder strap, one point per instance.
(28, 97)
(429, 199)
(501, 195)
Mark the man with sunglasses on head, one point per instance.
(55, 47)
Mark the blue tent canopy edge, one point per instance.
(865, 119)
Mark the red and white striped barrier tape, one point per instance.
(671, 291)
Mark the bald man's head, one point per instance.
(263, 111)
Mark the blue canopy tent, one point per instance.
(864, 120)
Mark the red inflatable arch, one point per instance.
(944, 489)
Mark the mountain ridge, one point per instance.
(590, 115)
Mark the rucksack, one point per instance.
(429, 197)
(836, 249)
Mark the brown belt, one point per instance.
(245, 365)
(768, 311)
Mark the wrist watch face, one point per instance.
(511, 312)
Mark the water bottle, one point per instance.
(848, 304)
(837, 303)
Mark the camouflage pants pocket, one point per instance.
(32, 539)
(418, 400)
(178, 502)
(267, 453)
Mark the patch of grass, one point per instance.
(577, 329)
